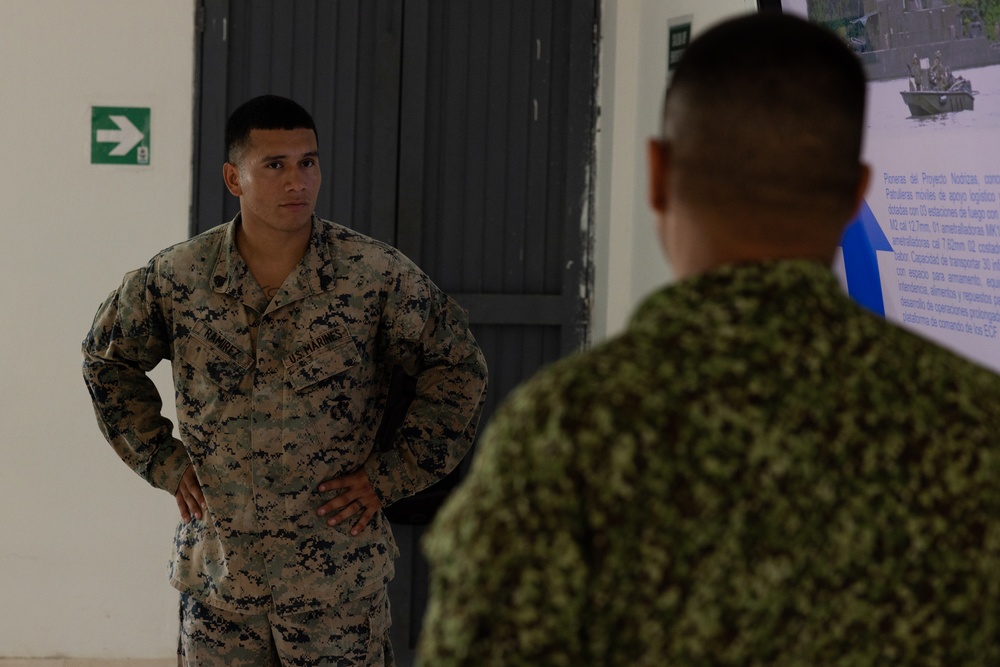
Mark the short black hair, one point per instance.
(765, 112)
(266, 112)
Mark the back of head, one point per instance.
(764, 119)
(267, 112)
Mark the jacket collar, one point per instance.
(314, 274)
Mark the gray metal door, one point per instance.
(339, 59)
(460, 131)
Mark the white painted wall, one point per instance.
(633, 73)
(83, 541)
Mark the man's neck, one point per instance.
(704, 247)
(271, 256)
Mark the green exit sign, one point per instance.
(119, 135)
(679, 36)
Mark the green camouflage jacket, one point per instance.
(757, 472)
(274, 397)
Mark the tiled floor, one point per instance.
(61, 662)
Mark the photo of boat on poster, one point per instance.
(934, 89)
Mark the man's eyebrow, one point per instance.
(273, 158)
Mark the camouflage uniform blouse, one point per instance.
(277, 395)
(757, 473)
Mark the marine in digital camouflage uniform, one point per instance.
(758, 471)
(281, 379)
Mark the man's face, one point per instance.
(277, 179)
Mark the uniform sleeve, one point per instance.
(127, 340)
(508, 572)
(427, 334)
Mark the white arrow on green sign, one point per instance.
(119, 135)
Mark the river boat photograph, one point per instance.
(934, 89)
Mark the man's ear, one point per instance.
(231, 175)
(658, 164)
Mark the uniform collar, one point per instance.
(741, 293)
(314, 274)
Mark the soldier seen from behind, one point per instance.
(758, 471)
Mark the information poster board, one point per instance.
(925, 249)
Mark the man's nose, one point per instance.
(295, 179)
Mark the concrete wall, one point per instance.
(83, 541)
(627, 258)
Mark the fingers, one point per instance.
(189, 496)
(366, 516)
(345, 482)
(352, 508)
(183, 507)
(357, 497)
(194, 488)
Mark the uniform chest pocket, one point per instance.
(216, 357)
(329, 354)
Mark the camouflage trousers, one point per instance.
(353, 634)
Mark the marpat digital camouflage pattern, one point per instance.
(345, 634)
(274, 397)
(757, 472)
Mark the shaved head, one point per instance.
(763, 123)
(267, 112)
